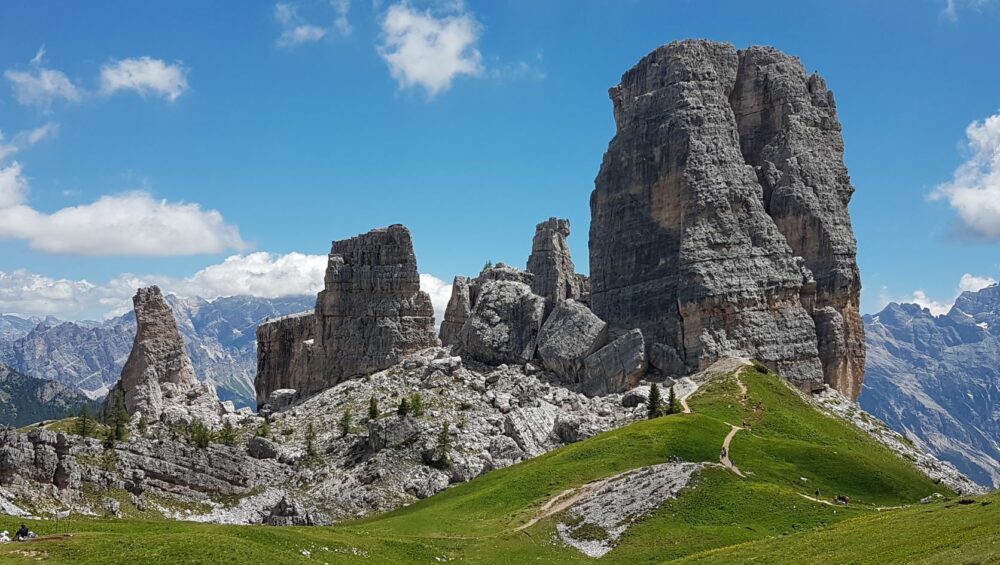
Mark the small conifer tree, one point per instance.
(83, 423)
(263, 430)
(654, 408)
(227, 435)
(673, 406)
(373, 408)
(404, 407)
(345, 422)
(143, 424)
(199, 435)
(442, 458)
(416, 404)
(310, 440)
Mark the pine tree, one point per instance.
(654, 406)
(404, 407)
(488, 265)
(673, 407)
(310, 440)
(345, 422)
(199, 435)
(264, 430)
(373, 408)
(83, 423)
(143, 424)
(227, 436)
(442, 458)
(118, 419)
(416, 404)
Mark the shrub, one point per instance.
(416, 404)
(373, 408)
(264, 430)
(310, 440)
(199, 435)
(442, 459)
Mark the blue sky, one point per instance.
(259, 129)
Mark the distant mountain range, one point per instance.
(937, 379)
(24, 400)
(88, 356)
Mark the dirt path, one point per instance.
(568, 498)
(684, 401)
(724, 456)
(826, 502)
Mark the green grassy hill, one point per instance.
(789, 452)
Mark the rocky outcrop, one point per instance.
(555, 277)
(570, 334)
(24, 400)
(719, 218)
(457, 312)
(504, 324)
(158, 379)
(617, 366)
(370, 313)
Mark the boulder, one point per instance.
(504, 324)
(532, 428)
(392, 431)
(616, 367)
(262, 448)
(570, 334)
(290, 513)
(636, 396)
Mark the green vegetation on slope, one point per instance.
(790, 451)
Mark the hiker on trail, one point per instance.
(23, 533)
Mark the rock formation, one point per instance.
(370, 313)
(570, 334)
(158, 379)
(719, 218)
(504, 324)
(457, 312)
(555, 277)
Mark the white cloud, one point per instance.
(427, 51)
(968, 283)
(26, 139)
(972, 283)
(144, 75)
(440, 293)
(951, 8)
(921, 299)
(343, 8)
(295, 30)
(264, 275)
(131, 223)
(974, 191)
(41, 87)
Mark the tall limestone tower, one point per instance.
(720, 221)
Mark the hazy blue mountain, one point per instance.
(25, 400)
(937, 379)
(88, 356)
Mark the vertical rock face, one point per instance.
(457, 312)
(370, 313)
(550, 262)
(719, 218)
(158, 379)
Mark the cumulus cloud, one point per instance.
(342, 23)
(146, 76)
(968, 283)
(972, 283)
(429, 52)
(440, 293)
(974, 191)
(26, 139)
(260, 274)
(131, 223)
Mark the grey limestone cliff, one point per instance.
(719, 218)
